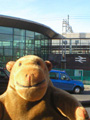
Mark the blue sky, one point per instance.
(50, 12)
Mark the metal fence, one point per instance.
(78, 74)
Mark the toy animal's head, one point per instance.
(29, 76)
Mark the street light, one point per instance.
(63, 60)
(65, 43)
(76, 42)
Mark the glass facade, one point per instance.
(15, 43)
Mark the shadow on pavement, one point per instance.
(86, 92)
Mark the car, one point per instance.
(61, 79)
(4, 78)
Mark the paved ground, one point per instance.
(87, 87)
(85, 96)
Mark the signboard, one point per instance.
(80, 59)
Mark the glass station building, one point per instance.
(19, 37)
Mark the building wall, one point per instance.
(77, 35)
(78, 61)
(71, 61)
(73, 46)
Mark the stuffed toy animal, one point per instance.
(30, 94)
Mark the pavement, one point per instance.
(87, 87)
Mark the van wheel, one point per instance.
(77, 90)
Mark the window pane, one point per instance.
(30, 34)
(16, 53)
(54, 75)
(6, 30)
(1, 51)
(29, 40)
(8, 58)
(20, 32)
(19, 38)
(5, 44)
(19, 45)
(4, 37)
(38, 36)
(8, 52)
(64, 76)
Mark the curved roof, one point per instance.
(14, 22)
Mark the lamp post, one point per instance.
(63, 59)
(76, 42)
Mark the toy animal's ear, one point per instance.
(49, 65)
(9, 65)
